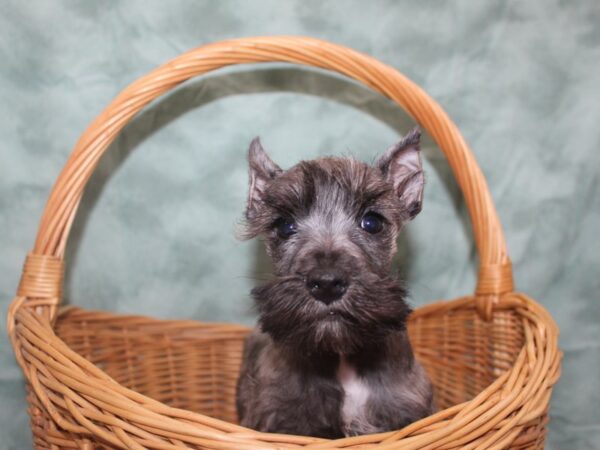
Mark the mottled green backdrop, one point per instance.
(155, 232)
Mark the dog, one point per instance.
(331, 355)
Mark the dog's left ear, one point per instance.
(262, 171)
(401, 165)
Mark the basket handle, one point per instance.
(41, 283)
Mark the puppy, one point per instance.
(331, 356)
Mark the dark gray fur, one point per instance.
(295, 361)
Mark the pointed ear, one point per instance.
(401, 165)
(262, 171)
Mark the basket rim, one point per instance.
(516, 396)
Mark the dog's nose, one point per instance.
(326, 286)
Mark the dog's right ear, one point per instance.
(262, 171)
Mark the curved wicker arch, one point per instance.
(495, 272)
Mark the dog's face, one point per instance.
(331, 227)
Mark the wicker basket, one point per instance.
(97, 379)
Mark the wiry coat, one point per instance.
(303, 394)
(344, 367)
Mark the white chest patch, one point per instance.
(356, 394)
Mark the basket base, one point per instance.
(194, 367)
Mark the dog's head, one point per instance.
(331, 226)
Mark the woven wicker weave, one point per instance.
(97, 379)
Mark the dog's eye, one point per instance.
(372, 223)
(285, 228)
